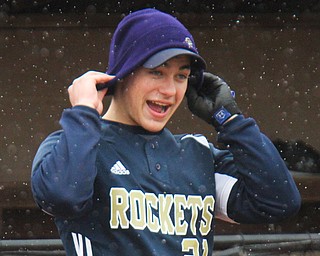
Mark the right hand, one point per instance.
(83, 90)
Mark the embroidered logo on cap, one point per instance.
(188, 41)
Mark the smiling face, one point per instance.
(149, 97)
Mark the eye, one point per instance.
(183, 77)
(155, 72)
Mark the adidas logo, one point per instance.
(119, 169)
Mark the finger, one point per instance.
(103, 78)
(210, 83)
(98, 77)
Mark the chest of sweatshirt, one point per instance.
(153, 163)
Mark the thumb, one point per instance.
(191, 95)
(102, 93)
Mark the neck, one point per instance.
(112, 113)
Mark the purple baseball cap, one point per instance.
(149, 38)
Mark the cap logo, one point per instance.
(188, 41)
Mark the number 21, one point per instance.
(192, 244)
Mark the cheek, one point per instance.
(181, 91)
(136, 99)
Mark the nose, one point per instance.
(168, 87)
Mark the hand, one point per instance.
(214, 102)
(83, 90)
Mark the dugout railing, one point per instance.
(225, 245)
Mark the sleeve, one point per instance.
(63, 170)
(253, 182)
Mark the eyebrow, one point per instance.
(184, 67)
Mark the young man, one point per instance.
(122, 184)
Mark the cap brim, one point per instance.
(164, 55)
(198, 65)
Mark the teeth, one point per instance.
(160, 104)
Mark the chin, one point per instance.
(154, 126)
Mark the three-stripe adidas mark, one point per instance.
(119, 169)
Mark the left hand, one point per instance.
(214, 102)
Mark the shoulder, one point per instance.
(197, 139)
(51, 140)
(46, 147)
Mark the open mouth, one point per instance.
(157, 106)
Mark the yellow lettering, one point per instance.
(165, 204)
(190, 244)
(205, 247)
(195, 203)
(152, 220)
(163, 213)
(137, 209)
(119, 205)
(207, 215)
(180, 203)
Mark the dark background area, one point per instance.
(268, 52)
(174, 6)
